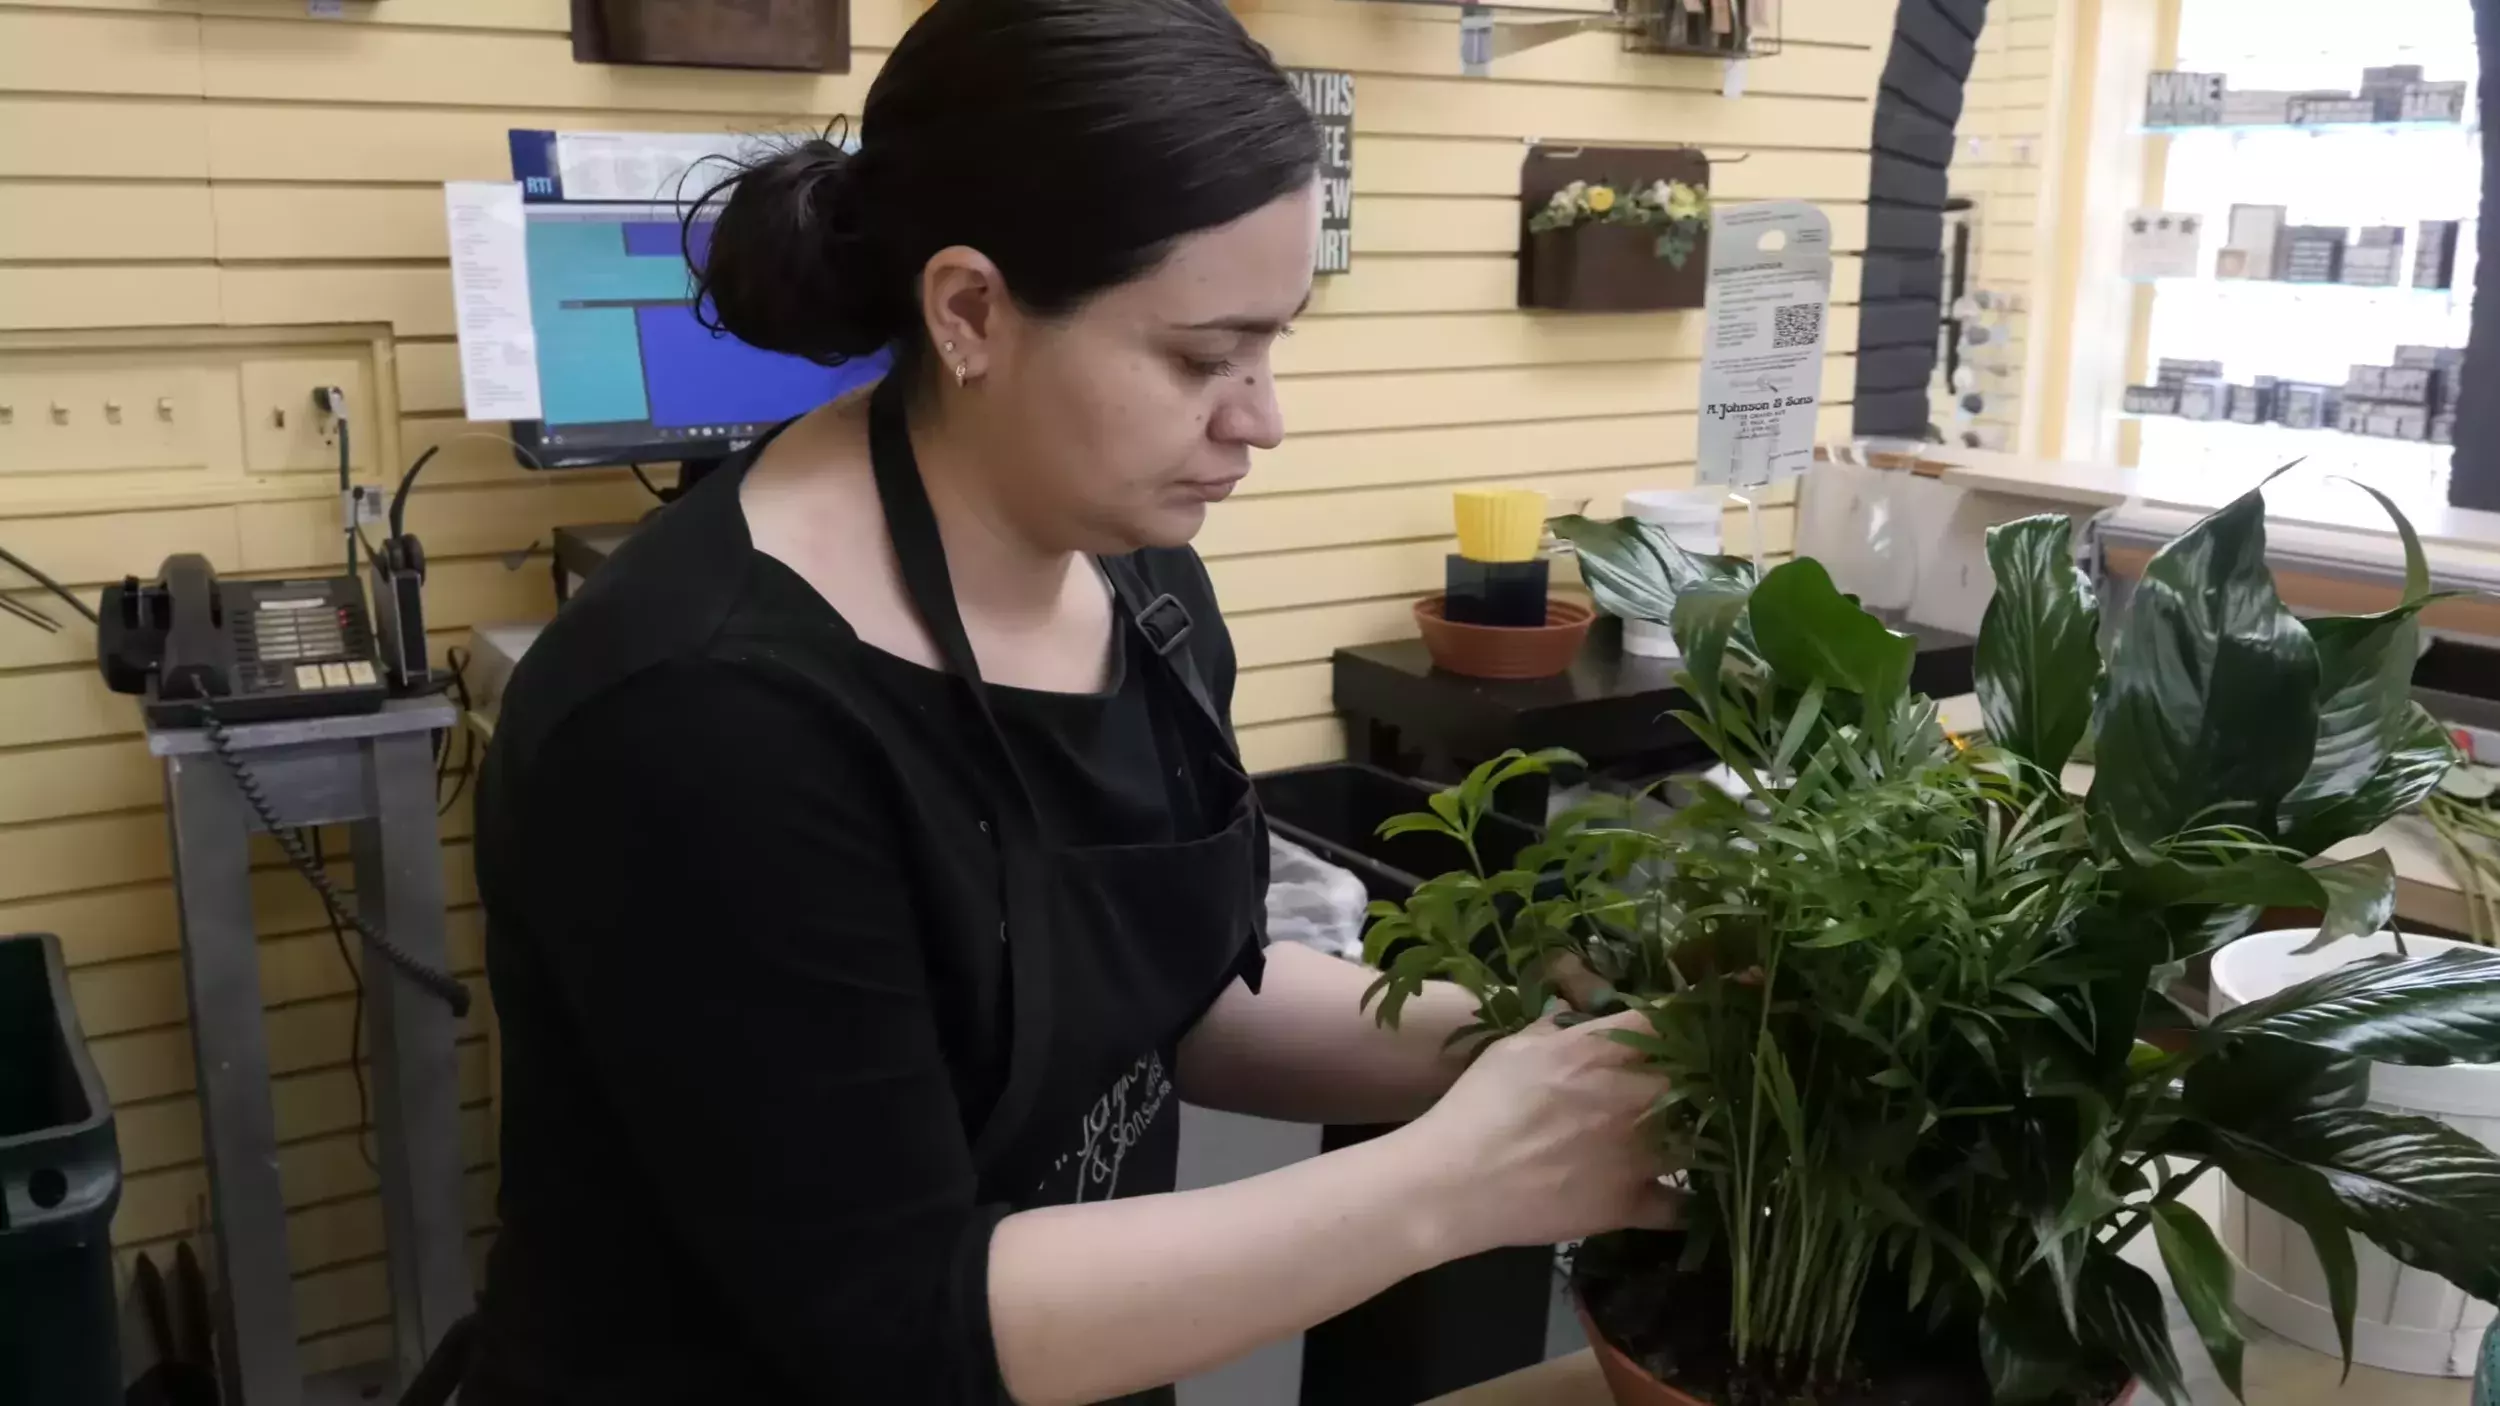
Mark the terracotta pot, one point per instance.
(1505, 651)
(1608, 268)
(1630, 1384)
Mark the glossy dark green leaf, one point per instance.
(2038, 660)
(2123, 1314)
(2209, 706)
(2419, 1189)
(2028, 1355)
(2411, 771)
(2201, 1275)
(1634, 570)
(1809, 633)
(1708, 618)
(2365, 691)
(2443, 1009)
(2255, 1079)
(2298, 1192)
(2360, 894)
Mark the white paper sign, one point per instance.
(2160, 244)
(490, 289)
(1762, 355)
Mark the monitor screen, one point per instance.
(625, 372)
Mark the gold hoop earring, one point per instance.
(961, 372)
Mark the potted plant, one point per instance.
(1899, 984)
(1594, 246)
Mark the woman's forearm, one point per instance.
(1303, 1048)
(1096, 1301)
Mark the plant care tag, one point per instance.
(1762, 351)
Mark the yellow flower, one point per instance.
(1683, 202)
(1601, 199)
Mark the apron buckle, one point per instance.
(1165, 623)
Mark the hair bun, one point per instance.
(792, 266)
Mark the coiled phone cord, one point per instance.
(442, 985)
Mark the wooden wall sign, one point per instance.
(810, 36)
(1329, 94)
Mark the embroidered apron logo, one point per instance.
(1117, 1122)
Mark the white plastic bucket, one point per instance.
(2407, 1320)
(1695, 519)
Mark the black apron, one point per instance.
(1113, 951)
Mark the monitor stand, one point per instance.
(691, 472)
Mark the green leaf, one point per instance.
(2255, 1079)
(2421, 756)
(2201, 1274)
(2209, 709)
(1772, 1066)
(2435, 1010)
(1809, 633)
(2302, 1195)
(2365, 687)
(2419, 1189)
(1634, 570)
(2356, 896)
(2361, 896)
(1800, 722)
(2032, 997)
(2027, 1359)
(2038, 661)
(2124, 1315)
(1397, 825)
(1707, 618)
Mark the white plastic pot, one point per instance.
(1695, 519)
(2407, 1320)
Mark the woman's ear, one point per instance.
(962, 296)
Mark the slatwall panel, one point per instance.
(242, 163)
(2000, 148)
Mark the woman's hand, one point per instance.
(1543, 1140)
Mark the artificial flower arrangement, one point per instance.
(1681, 212)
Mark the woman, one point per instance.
(869, 867)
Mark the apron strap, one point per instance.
(1024, 895)
(1165, 623)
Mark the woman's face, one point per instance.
(1114, 427)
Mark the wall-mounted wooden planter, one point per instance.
(808, 36)
(1602, 267)
(1608, 268)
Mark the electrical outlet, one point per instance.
(285, 431)
(363, 505)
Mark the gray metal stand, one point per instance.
(374, 773)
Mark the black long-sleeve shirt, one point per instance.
(750, 985)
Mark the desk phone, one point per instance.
(191, 645)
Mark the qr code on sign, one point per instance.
(1797, 325)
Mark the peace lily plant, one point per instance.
(1911, 998)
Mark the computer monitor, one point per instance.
(626, 375)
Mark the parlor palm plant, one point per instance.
(1901, 984)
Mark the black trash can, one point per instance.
(1473, 1319)
(60, 1178)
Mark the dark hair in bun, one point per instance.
(1071, 141)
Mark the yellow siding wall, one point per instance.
(207, 164)
(2001, 146)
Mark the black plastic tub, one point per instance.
(60, 1178)
(1473, 1319)
(1335, 810)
